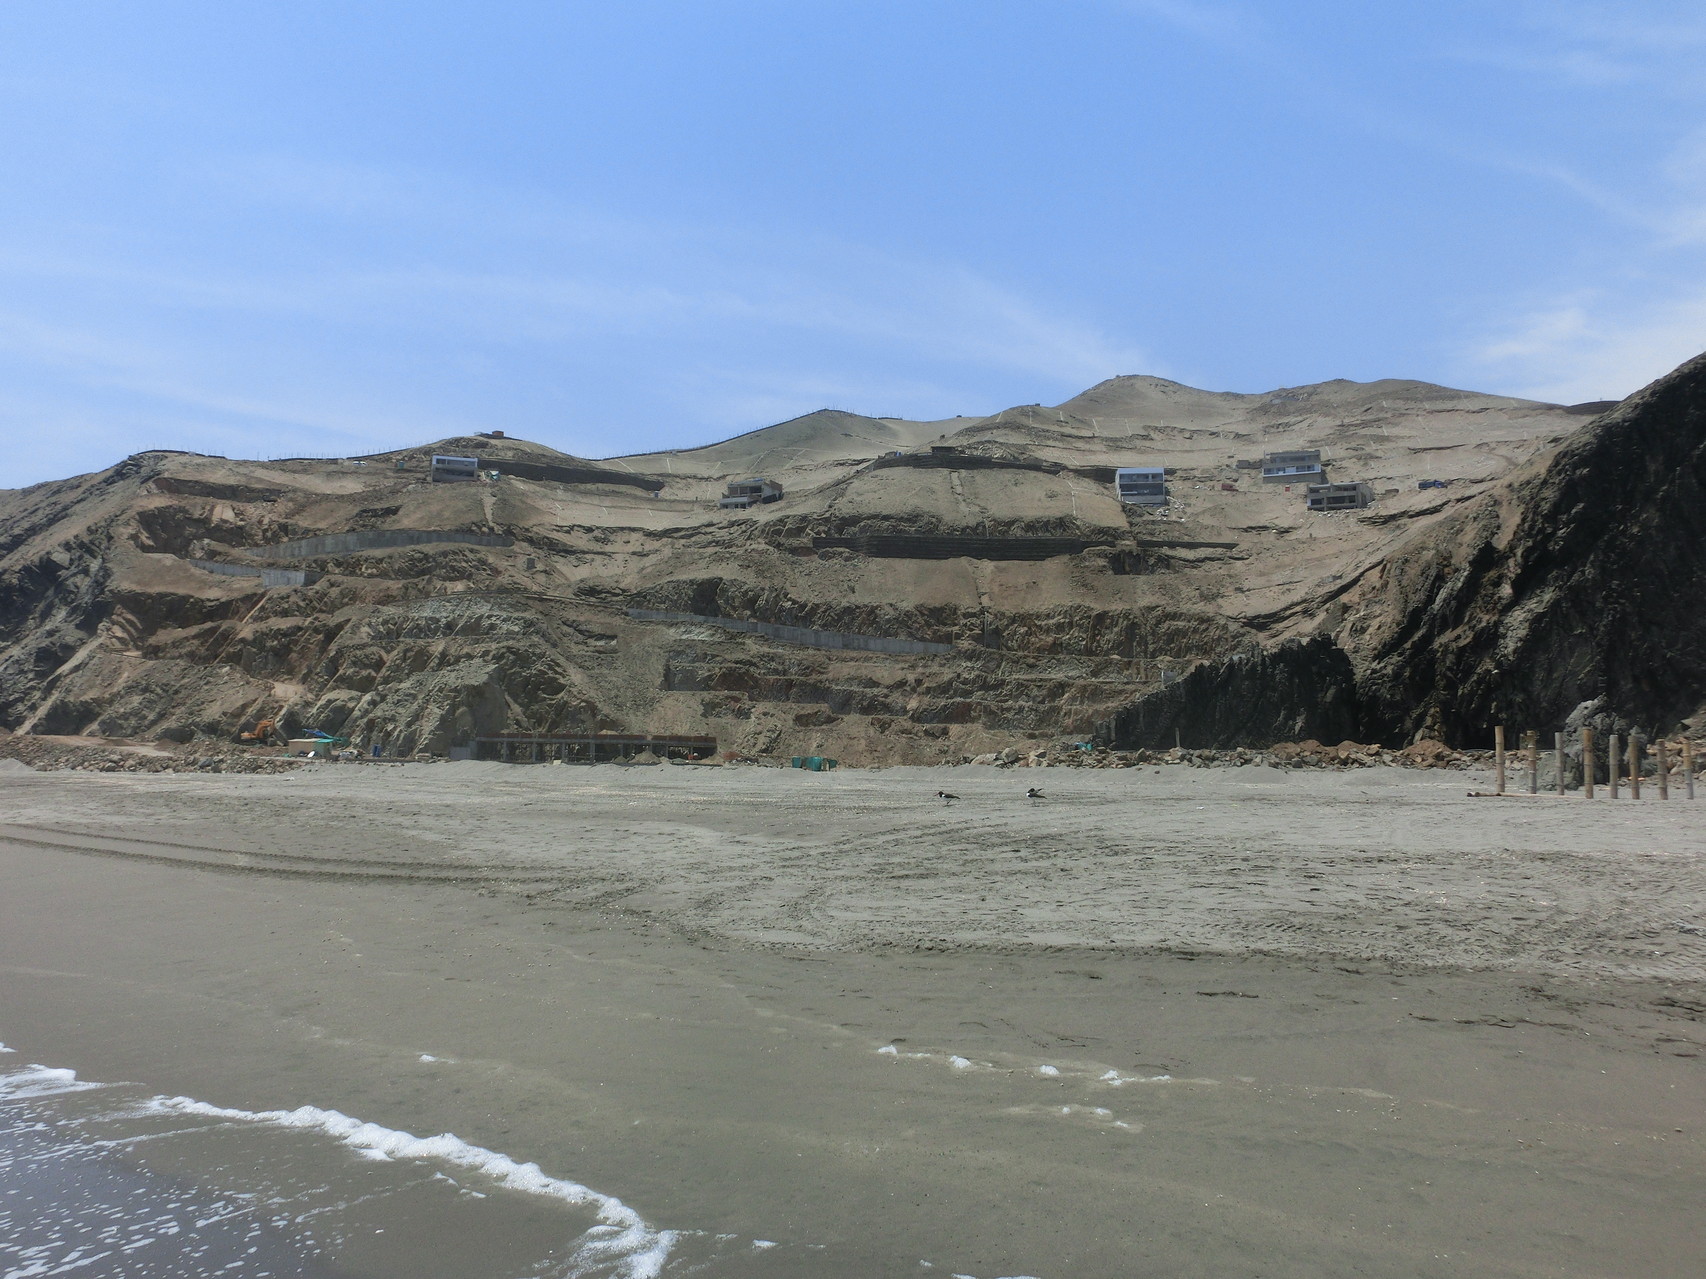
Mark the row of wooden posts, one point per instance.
(1615, 758)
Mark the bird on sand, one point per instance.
(1034, 793)
(945, 797)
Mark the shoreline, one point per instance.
(629, 1029)
(1377, 865)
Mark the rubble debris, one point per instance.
(1305, 754)
(48, 754)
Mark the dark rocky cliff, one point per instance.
(1582, 581)
(1300, 689)
(1575, 592)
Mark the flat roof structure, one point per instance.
(583, 748)
(1300, 466)
(1352, 496)
(744, 493)
(1141, 485)
(447, 467)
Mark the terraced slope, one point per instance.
(109, 627)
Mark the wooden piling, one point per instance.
(1664, 769)
(1587, 763)
(1531, 743)
(1558, 759)
(1613, 760)
(1634, 766)
(1499, 758)
(1688, 766)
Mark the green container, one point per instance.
(798, 761)
(815, 763)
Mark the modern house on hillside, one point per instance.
(1339, 497)
(744, 493)
(1141, 485)
(1301, 467)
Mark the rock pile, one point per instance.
(46, 755)
(1305, 754)
(1422, 754)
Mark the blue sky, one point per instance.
(264, 229)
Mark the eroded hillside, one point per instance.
(131, 601)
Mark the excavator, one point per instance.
(268, 733)
(264, 733)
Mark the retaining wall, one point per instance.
(568, 474)
(799, 634)
(963, 462)
(370, 540)
(947, 546)
(268, 576)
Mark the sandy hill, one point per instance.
(824, 436)
(427, 615)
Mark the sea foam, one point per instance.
(41, 1081)
(623, 1242)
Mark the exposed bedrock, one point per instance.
(1137, 634)
(1575, 593)
(1551, 566)
(1584, 580)
(989, 692)
(798, 530)
(1298, 690)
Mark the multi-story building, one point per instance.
(1141, 485)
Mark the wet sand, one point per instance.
(1202, 1022)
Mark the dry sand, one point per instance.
(1356, 1023)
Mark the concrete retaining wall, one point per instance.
(568, 474)
(946, 546)
(963, 462)
(799, 634)
(268, 576)
(371, 540)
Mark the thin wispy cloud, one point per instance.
(323, 244)
(1223, 24)
(1588, 341)
(172, 380)
(1632, 41)
(199, 336)
(1593, 346)
(1604, 331)
(1314, 84)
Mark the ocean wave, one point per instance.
(623, 1245)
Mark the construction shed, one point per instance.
(1300, 467)
(1141, 485)
(1339, 497)
(582, 748)
(744, 493)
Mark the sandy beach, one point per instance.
(1170, 1022)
